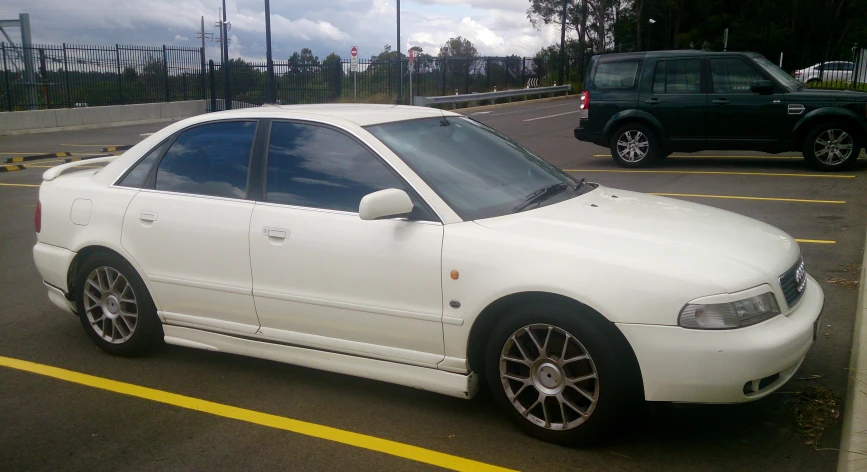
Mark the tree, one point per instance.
(332, 67)
(456, 57)
(302, 61)
(458, 47)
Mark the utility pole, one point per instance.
(563, 41)
(201, 34)
(270, 86)
(23, 22)
(397, 49)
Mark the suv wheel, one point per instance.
(634, 145)
(831, 146)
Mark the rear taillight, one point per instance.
(797, 73)
(585, 100)
(37, 217)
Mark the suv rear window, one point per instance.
(616, 75)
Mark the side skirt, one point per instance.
(423, 378)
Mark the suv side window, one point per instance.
(732, 75)
(613, 75)
(318, 167)
(211, 159)
(677, 76)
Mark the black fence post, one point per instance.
(467, 82)
(66, 77)
(6, 78)
(523, 70)
(185, 85)
(204, 94)
(166, 72)
(443, 68)
(488, 73)
(43, 72)
(213, 86)
(227, 67)
(119, 73)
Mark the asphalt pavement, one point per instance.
(51, 424)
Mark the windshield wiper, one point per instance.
(541, 195)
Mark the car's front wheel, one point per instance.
(635, 145)
(831, 146)
(560, 375)
(115, 308)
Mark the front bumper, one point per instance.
(707, 366)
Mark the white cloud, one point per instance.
(496, 27)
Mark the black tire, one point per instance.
(635, 134)
(838, 160)
(143, 332)
(617, 387)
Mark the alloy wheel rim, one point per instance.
(632, 146)
(549, 377)
(833, 146)
(110, 305)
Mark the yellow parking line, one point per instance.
(372, 443)
(679, 156)
(771, 174)
(816, 241)
(734, 197)
(19, 185)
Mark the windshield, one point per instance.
(477, 171)
(782, 77)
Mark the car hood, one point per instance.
(670, 238)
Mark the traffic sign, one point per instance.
(353, 63)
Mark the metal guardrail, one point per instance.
(479, 97)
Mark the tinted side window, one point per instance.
(848, 66)
(137, 176)
(732, 76)
(659, 78)
(318, 167)
(211, 159)
(615, 75)
(683, 76)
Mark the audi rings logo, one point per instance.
(801, 277)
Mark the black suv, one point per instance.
(644, 106)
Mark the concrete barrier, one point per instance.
(17, 122)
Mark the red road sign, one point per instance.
(354, 51)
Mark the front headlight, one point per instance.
(738, 314)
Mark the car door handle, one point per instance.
(147, 216)
(652, 101)
(721, 101)
(276, 233)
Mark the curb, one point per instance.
(11, 168)
(117, 148)
(37, 157)
(853, 442)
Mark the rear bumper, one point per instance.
(595, 137)
(53, 264)
(704, 366)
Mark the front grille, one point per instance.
(793, 282)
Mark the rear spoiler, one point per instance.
(53, 172)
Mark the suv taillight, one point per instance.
(37, 217)
(585, 100)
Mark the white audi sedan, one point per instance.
(422, 248)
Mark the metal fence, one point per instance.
(842, 74)
(66, 76)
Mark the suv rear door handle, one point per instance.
(721, 101)
(652, 101)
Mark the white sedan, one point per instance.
(422, 248)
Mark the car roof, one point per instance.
(362, 114)
(673, 52)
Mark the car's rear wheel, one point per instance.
(115, 308)
(831, 146)
(560, 375)
(635, 145)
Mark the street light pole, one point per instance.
(563, 42)
(397, 49)
(650, 33)
(270, 86)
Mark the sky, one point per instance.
(496, 27)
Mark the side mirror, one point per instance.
(762, 86)
(388, 203)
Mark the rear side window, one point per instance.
(679, 76)
(613, 75)
(732, 76)
(211, 160)
(137, 176)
